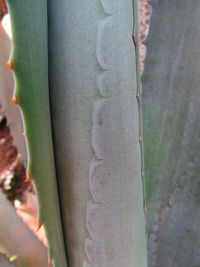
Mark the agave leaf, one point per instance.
(171, 111)
(94, 114)
(96, 131)
(29, 62)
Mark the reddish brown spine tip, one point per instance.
(49, 261)
(39, 226)
(138, 97)
(28, 178)
(134, 38)
(140, 139)
(10, 65)
(14, 100)
(142, 174)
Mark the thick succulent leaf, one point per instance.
(17, 239)
(96, 131)
(29, 62)
(171, 89)
(95, 119)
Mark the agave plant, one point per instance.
(77, 75)
(76, 67)
(171, 111)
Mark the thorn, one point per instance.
(140, 139)
(9, 63)
(134, 38)
(147, 252)
(14, 100)
(145, 208)
(49, 261)
(142, 174)
(138, 96)
(28, 178)
(38, 226)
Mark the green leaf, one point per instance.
(171, 133)
(30, 65)
(96, 131)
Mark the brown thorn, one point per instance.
(140, 139)
(14, 100)
(134, 38)
(38, 226)
(49, 261)
(142, 174)
(138, 97)
(28, 178)
(10, 65)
